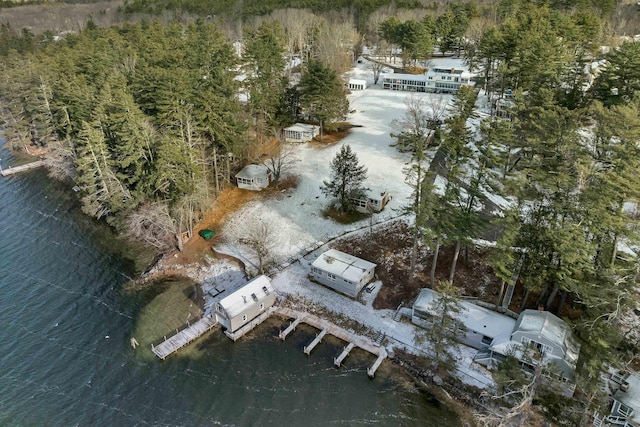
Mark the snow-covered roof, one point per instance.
(344, 265)
(474, 317)
(554, 329)
(301, 127)
(253, 171)
(400, 76)
(358, 82)
(631, 397)
(251, 293)
(373, 193)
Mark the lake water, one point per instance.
(65, 325)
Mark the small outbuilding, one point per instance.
(342, 272)
(254, 177)
(245, 304)
(357, 84)
(300, 132)
(371, 201)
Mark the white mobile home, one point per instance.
(245, 304)
(482, 326)
(342, 272)
(300, 132)
(371, 201)
(254, 177)
(357, 84)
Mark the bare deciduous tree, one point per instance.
(259, 238)
(279, 158)
(153, 225)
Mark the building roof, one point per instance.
(301, 127)
(253, 171)
(251, 293)
(474, 317)
(554, 329)
(631, 397)
(344, 265)
(400, 76)
(372, 193)
(358, 81)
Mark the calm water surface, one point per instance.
(65, 358)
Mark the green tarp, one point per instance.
(207, 234)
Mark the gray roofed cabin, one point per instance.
(245, 304)
(300, 132)
(545, 335)
(342, 272)
(254, 177)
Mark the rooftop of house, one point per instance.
(252, 292)
(631, 397)
(554, 329)
(301, 127)
(474, 317)
(253, 171)
(344, 265)
(358, 81)
(373, 193)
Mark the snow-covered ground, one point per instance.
(296, 224)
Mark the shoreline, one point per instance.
(463, 403)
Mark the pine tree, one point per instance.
(347, 178)
(442, 336)
(322, 95)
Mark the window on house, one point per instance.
(331, 277)
(625, 410)
(261, 306)
(244, 317)
(486, 340)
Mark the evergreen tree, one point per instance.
(322, 95)
(347, 178)
(442, 335)
(619, 80)
(264, 64)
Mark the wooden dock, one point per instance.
(283, 334)
(338, 360)
(324, 325)
(183, 337)
(22, 168)
(315, 342)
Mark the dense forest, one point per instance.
(150, 120)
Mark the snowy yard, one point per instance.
(296, 224)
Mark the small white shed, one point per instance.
(357, 84)
(342, 272)
(372, 201)
(254, 177)
(300, 132)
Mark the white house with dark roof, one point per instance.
(300, 132)
(342, 272)
(245, 304)
(254, 177)
(482, 326)
(447, 80)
